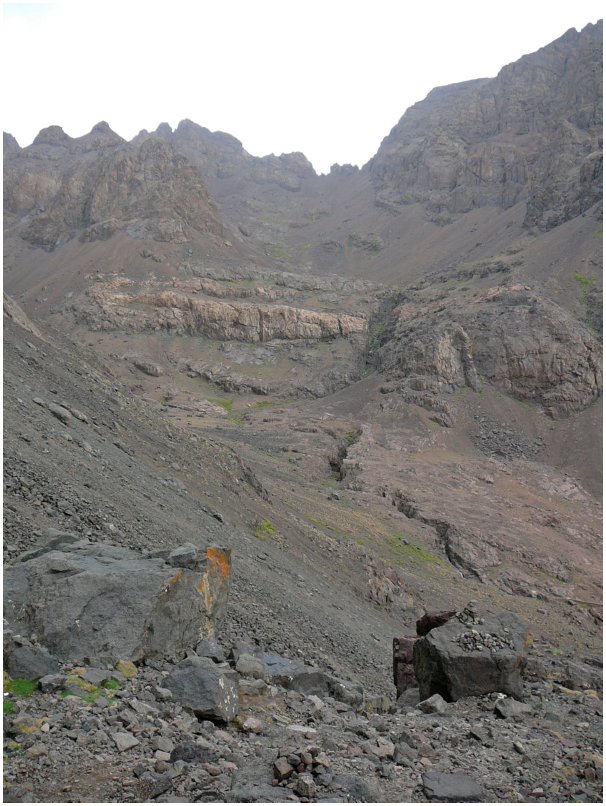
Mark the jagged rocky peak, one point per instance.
(11, 146)
(139, 138)
(343, 170)
(102, 127)
(52, 136)
(192, 133)
(298, 162)
(163, 130)
(101, 135)
(532, 134)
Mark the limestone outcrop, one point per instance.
(182, 314)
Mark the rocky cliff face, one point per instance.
(533, 133)
(60, 188)
(221, 156)
(182, 314)
(505, 336)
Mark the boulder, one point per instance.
(344, 691)
(409, 699)
(249, 666)
(211, 691)
(210, 648)
(434, 705)
(102, 603)
(454, 787)
(294, 675)
(52, 539)
(456, 660)
(508, 708)
(124, 741)
(30, 662)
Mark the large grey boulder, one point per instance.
(211, 691)
(100, 603)
(468, 659)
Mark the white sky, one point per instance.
(326, 77)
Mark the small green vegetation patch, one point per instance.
(582, 280)
(8, 707)
(264, 404)
(88, 691)
(223, 402)
(409, 552)
(265, 530)
(585, 284)
(20, 687)
(277, 251)
(351, 437)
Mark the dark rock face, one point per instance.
(467, 660)
(220, 155)
(532, 133)
(104, 603)
(30, 662)
(403, 669)
(10, 145)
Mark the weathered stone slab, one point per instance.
(455, 787)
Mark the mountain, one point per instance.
(380, 388)
(531, 134)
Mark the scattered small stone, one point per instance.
(124, 741)
(37, 750)
(433, 705)
(253, 725)
(508, 708)
(60, 413)
(306, 786)
(282, 769)
(249, 666)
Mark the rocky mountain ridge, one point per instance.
(499, 141)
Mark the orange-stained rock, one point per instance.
(105, 603)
